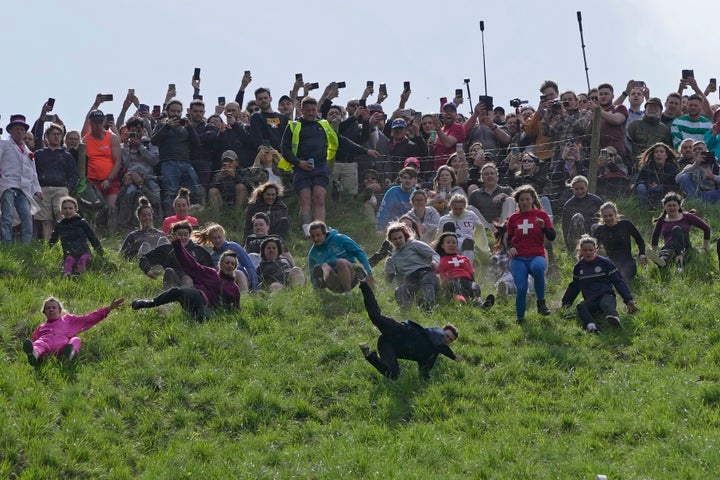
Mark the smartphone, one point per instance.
(406, 86)
(144, 108)
(458, 92)
(443, 101)
(108, 97)
(199, 97)
(266, 143)
(131, 92)
(49, 118)
(51, 104)
(110, 118)
(314, 86)
(196, 74)
(543, 98)
(171, 86)
(383, 89)
(688, 74)
(221, 100)
(639, 84)
(340, 84)
(370, 84)
(156, 110)
(247, 72)
(488, 101)
(459, 147)
(713, 82)
(515, 151)
(417, 117)
(362, 103)
(406, 113)
(298, 76)
(604, 153)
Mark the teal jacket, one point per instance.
(337, 245)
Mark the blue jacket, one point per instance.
(245, 265)
(337, 245)
(711, 141)
(395, 203)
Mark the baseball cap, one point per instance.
(97, 116)
(412, 162)
(451, 105)
(229, 155)
(654, 101)
(399, 123)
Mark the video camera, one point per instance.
(516, 102)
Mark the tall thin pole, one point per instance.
(582, 44)
(470, 101)
(482, 35)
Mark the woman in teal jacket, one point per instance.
(336, 261)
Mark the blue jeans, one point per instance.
(520, 267)
(175, 174)
(15, 198)
(690, 189)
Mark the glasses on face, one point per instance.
(528, 160)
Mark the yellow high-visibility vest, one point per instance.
(332, 142)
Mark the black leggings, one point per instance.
(385, 360)
(190, 298)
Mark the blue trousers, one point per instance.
(520, 268)
(14, 198)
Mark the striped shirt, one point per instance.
(682, 128)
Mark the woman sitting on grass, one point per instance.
(210, 288)
(181, 205)
(214, 235)
(277, 271)
(456, 272)
(595, 276)
(58, 334)
(146, 237)
(74, 232)
(674, 225)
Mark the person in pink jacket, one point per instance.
(58, 334)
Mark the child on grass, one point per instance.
(464, 223)
(74, 232)
(456, 272)
(58, 334)
(595, 276)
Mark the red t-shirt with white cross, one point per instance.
(455, 266)
(527, 237)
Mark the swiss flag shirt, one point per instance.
(526, 235)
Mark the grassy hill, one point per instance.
(280, 389)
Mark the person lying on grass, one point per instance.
(595, 276)
(406, 340)
(211, 288)
(58, 334)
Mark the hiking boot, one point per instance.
(138, 304)
(657, 259)
(591, 328)
(32, 355)
(68, 353)
(364, 348)
(613, 320)
(542, 308)
(360, 272)
(319, 276)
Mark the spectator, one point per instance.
(402, 147)
(648, 130)
(494, 202)
(175, 138)
(276, 271)
(448, 135)
(543, 147)
(308, 145)
(531, 171)
(673, 108)
(444, 187)
(104, 160)
(565, 122)
(202, 152)
(138, 242)
(267, 126)
(57, 174)
(465, 224)
(693, 125)
(228, 187)
(266, 169)
(396, 200)
(181, 206)
(658, 169)
(267, 198)
(712, 138)
(335, 261)
(636, 92)
(373, 137)
(686, 153)
(612, 120)
(19, 186)
(481, 128)
(613, 180)
(136, 184)
(424, 215)
(701, 178)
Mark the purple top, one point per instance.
(688, 220)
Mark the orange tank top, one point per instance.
(99, 157)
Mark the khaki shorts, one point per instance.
(50, 206)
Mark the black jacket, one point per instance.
(74, 234)
(165, 257)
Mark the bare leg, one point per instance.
(318, 202)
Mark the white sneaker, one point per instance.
(613, 320)
(591, 328)
(657, 259)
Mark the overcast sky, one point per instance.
(73, 50)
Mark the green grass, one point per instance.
(280, 390)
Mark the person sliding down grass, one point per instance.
(406, 340)
(456, 272)
(595, 276)
(58, 334)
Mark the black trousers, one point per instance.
(607, 304)
(386, 359)
(190, 298)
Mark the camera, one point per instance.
(556, 106)
(516, 102)
(709, 158)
